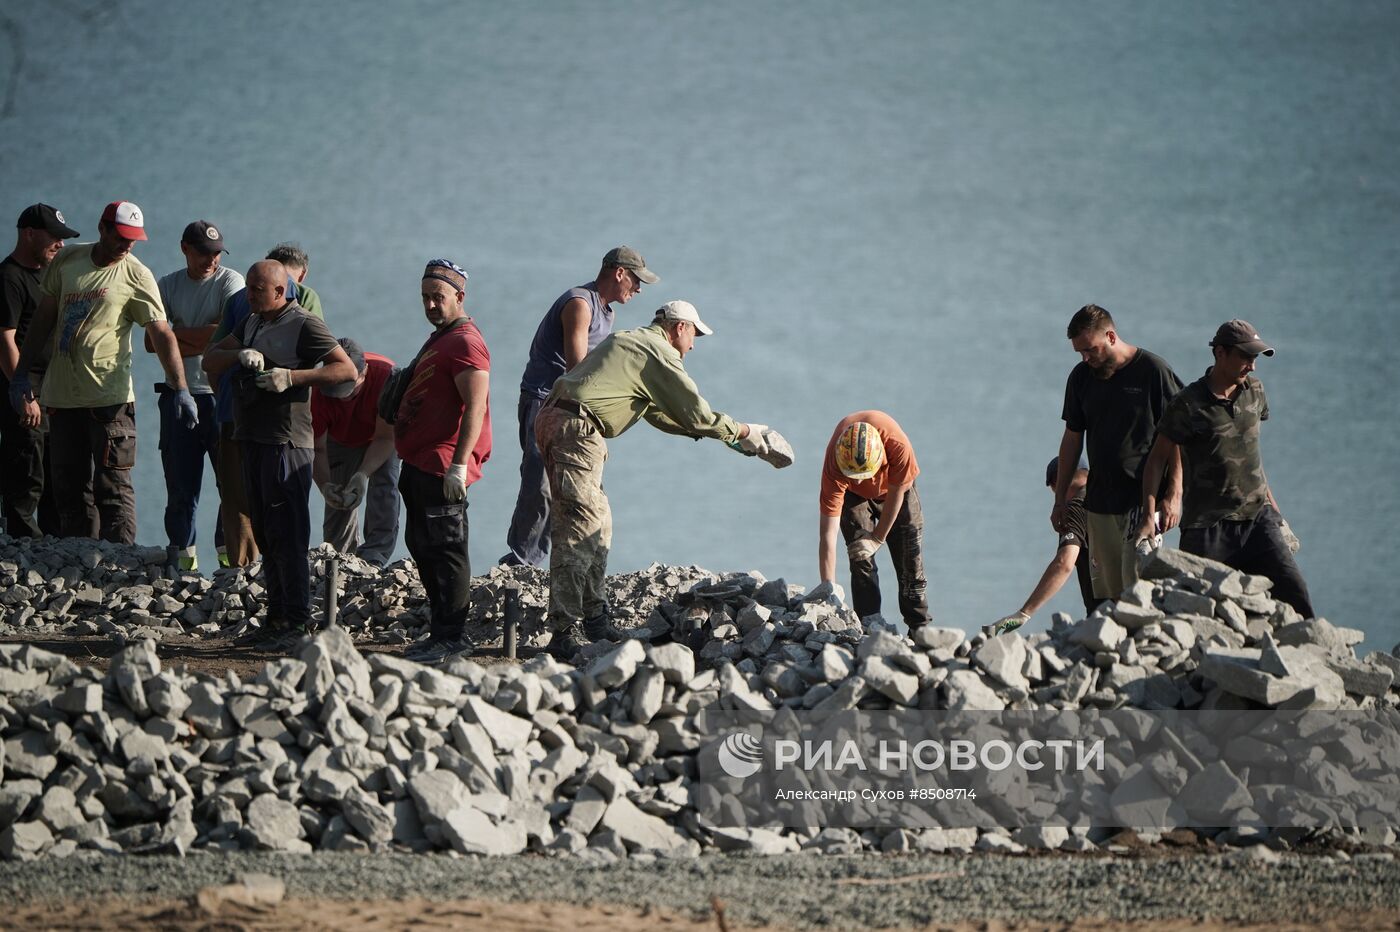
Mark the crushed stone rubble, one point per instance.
(334, 749)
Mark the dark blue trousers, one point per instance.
(278, 483)
(528, 537)
(183, 451)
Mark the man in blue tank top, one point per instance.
(578, 321)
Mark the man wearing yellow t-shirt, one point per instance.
(91, 295)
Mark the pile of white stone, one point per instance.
(336, 750)
(75, 587)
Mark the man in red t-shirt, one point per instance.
(355, 460)
(442, 431)
(868, 492)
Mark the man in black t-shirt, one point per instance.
(1113, 401)
(277, 348)
(1071, 555)
(27, 508)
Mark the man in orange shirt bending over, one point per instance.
(868, 492)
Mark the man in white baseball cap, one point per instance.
(633, 374)
(91, 296)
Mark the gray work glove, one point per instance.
(334, 496)
(454, 484)
(186, 411)
(863, 548)
(352, 491)
(274, 380)
(251, 359)
(1289, 538)
(1003, 625)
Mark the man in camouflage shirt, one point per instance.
(1228, 510)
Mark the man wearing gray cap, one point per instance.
(632, 375)
(1229, 512)
(194, 298)
(27, 501)
(579, 320)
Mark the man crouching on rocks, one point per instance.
(631, 375)
(442, 432)
(277, 349)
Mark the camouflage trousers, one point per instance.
(580, 533)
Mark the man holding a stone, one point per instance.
(867, 492)
(632, 375)
(1229, 512)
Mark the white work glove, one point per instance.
(251, 359)
(275, 380)
(1009, 623)
(1289, 538)
(352, 491)
(754, 444)
(862, 548)
(454, 484)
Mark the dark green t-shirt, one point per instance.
(1222, 474)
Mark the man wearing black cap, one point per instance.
(91, 297)
(194, 298)
(578, 321)
(1228, 510)
(27, 506)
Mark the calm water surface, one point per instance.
(897, 206)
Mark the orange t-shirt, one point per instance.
(900, 467)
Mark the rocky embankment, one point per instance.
(334, 749)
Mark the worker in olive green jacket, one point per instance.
(631, 375)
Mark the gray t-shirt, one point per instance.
(294, 340)
(189, 303)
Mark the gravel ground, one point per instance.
(799, 891)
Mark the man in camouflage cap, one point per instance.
(1228, 510)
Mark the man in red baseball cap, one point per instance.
(92, 294)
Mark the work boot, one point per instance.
(436, 649)
(566, 642)
(601, 628)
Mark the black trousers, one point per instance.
(91, 454)
(278, 484)
(906, 546)
(1256, 547)
(436, 535)
(25, 496)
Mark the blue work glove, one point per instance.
(186, 412)
(21, 392)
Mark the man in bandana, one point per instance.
(442, 432)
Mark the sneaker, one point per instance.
(223, 557)
(290, 637)
(436, 649)
(567, 642)
(187, 560)
(262, 637)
